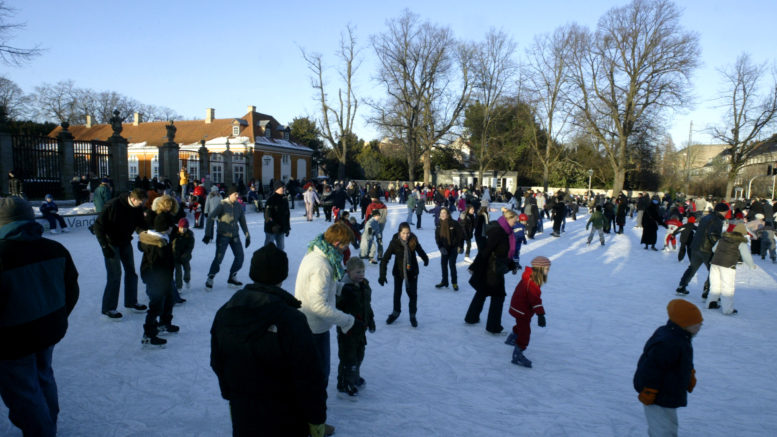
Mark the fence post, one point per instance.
(228, 179)
(168, 158)
(6, 152)
(118, 167)
(204, 164)
(66, 161)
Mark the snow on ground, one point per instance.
(445, 377)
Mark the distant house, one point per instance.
(260, 146)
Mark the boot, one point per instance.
(233, 282)
(209, 283)
(455, 287)
(392, 317)
(681, 290)
(441, 284)
(153, 341)
(413, 321)
(519, 359)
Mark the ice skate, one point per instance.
(519, 359)
(153, 342)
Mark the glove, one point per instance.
(108, 252)
(287, 233)
(648, 396)
(586, 228)
(426, 262)
(316, 430)
(461, 250)
(382, 281)
(206, 239)
(541, 320)
(693, 381)
(371, 326)
(248, 240)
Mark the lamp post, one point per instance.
(590, 174)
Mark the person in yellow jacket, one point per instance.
(183, 182)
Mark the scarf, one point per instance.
(334, 256)
(406, 248)
(510, 235)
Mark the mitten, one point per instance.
(248, 239)
(648, 396)
(206, 239)
(382, 281)
(371, 326)
(316, 430)
(693, 381)
(541, 320)
(426, 262)
(108, 252)
(287, 233)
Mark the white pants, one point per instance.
(722, 281)
(662, 422)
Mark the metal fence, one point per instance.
(36, 162)
(91, 158)
(191, 162)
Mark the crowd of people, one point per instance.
(266, 340)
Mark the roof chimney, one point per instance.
(137, 119)
(210, 114)
(88, 121)
(251, 108)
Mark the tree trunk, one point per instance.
(427, 167)
(729, 194)
(619, 179)
(411, 169)
(545, 175)
(341, 169)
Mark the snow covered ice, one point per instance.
(444, 378)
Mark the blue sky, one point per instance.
(192, 55)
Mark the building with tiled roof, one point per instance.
(260, 146)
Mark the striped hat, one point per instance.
(540, 261)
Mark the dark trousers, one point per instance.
(697, 259)
(29, 390)
(449, 260)
(53, 219)
(328, 213)
(350, 351)
(412, 294)
(494, 322)
(159, 287)
(682, 250)
(418, 223)
(468, 246)
(557, 225)
(250, 418)
(221, 248)
(321, 342)
(187, 273)
(122, 257)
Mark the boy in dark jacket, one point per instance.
(686, 236)
(263, 353)
(49, 210)
(156, 270)
(354, 299)
(183, 245)
(665, 372)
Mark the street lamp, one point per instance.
(590, 174)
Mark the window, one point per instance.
(238, 172)
(217, 172)
(132, 162)
(267, 131)
(155, 167)
(235, 131)
(194, 170)
(286, 159)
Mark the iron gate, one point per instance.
(91, 158)
(36, 163)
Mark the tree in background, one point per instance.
(305, 131)
(337, 118)
(637, 64)
(751, 106)
(9, 54)
(13, 100)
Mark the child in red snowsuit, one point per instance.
(526, 302)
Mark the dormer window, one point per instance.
(267, 132)
(235, 131)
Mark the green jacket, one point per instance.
(597, 218)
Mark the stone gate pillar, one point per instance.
(66, 161)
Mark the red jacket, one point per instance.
(370, 207)
(526, 299)
(199, 190)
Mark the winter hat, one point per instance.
(183, 223)
(721, 207)
(740, 229)
(269, 265)
(540, 261)
(692, 219)
(161, 223)
(14, 209)
(48, 196)
(275, 186)
(214, 189)
(759, 216)
(683, 313)
(231, 189)
(523, 218)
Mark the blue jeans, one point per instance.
(221, 248)
(409, 219)
(122, 257)
(29, 390)
(278, 238)
(321, 342)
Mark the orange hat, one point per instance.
(683, 313)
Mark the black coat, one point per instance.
(277, 215)
(338, 198)
(665, 365)
(183, 244)
(118, 221)
(456, 236)
(395, 248)
(650, 221)
(262, 351)
(157, 254)
(708, 233)
(492, 262)
(467, 222)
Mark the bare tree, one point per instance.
(13, 99)
(420, 65)
(546, 87)
(10, 54)
(493, 69)
(636, 65)
(58, 102)
(337, 117)
(751, 106)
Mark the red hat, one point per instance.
(523, 218)
(692, 219)
(183, 223)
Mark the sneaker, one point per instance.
(413, 322)
(138, 308)
(519, 359)
(455, 287)
(153, 341)
(113, 314)
(168, 329)
(392, 317)
(232, 281)
(441, 284)
(681, 290)
(511, 339)
(209, 283)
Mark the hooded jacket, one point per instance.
(665, 365)
(526, 300)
